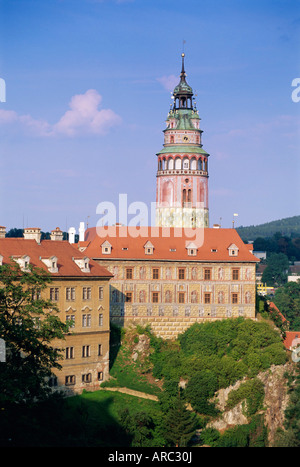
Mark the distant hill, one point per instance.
(290, 226)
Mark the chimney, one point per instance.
(33, 233)
(216, 226)
(81, 232)
(2, 231)
(56, 234)
(71, 233)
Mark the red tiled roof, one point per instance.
(63, 250)
(272, 306)
(290, 336)
(128, 244)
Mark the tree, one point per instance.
(28, 324)
(275, 273)
(202, 386)
(287, 299)
(180, 424)
(139, 426)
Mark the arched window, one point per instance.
(186, 164)
(183, 197)
(178, 163)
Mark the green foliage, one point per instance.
(252, 391)
(287, 299)
(124, 371)
(27, 325)
(276, 271)
(202, 386)
(179, 424)
(289, 226)
(215, 355)
(252, 435)
(139, 426)
(291, 436)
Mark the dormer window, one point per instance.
(191, 249)
(233, 250)
(23, 262)
(106, 248)
(83, 263)
(149, 248)
(51, 263)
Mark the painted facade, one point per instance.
(182, 173)
(170, 284)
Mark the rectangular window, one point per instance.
(86, 351)
(69, 352)
(100, 293)
(70, 380)
(70, 319)
(235, 274)
(86, 320)
(181, 297)
(86, 293)
(207, 297)
(207, 274)
(129, 274)
(100, 375)
(128, 297)
(155, 273)
(234, 298)
(100, 319)
(87, 378)
(54, 294)
(181, 273)
(70, 293)
(155, 297)
(99, 349)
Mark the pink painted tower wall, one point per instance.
(182, 173)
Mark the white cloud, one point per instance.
(84, 117)
(168, 82)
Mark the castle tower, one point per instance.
(182, 175)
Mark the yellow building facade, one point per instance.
(79, 290)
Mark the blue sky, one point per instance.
(88, 90)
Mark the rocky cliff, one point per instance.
(275, 402)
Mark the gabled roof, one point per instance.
(62, 250)
(128, 244)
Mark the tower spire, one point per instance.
(183, 74)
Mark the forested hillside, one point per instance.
(289, 226)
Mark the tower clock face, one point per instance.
(185, 139)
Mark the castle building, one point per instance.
(180, 271)
(170, 282)
(79, 288)
(182, 173)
